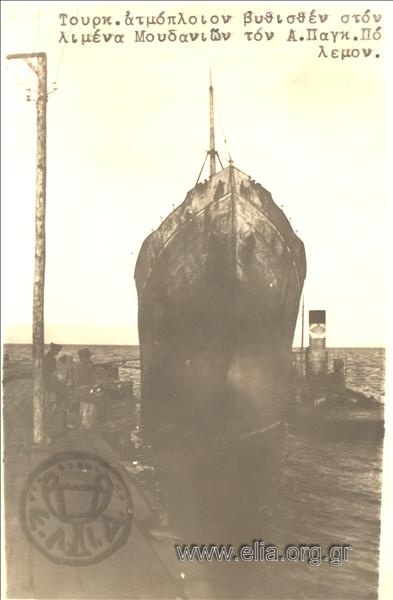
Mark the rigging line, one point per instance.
(62, 50)
(193, 189)
(225, 139)
(199, 176)
(200, 172)
(24, 84)
(219, 160)
(31, 79)
(38, 30)
(59, 64)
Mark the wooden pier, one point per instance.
(144, 567)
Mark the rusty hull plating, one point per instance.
(219, 285)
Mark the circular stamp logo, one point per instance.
(76, 509)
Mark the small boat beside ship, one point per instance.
(337, 411)
(320, 402)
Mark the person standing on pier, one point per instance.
(83, 380)
(52, 382)
(50, 364)
(83, 371)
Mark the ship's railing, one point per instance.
(299, 362)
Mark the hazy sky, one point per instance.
(127, 135)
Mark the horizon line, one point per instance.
(137, 344)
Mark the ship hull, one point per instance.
(219, 286)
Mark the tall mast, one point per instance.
(302, 324)
(212, 150)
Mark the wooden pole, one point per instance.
(39, 66)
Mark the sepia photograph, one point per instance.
(196, 289)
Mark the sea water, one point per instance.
(329, 494)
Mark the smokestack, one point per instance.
(317, 354)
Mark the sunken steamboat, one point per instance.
(219, 285)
